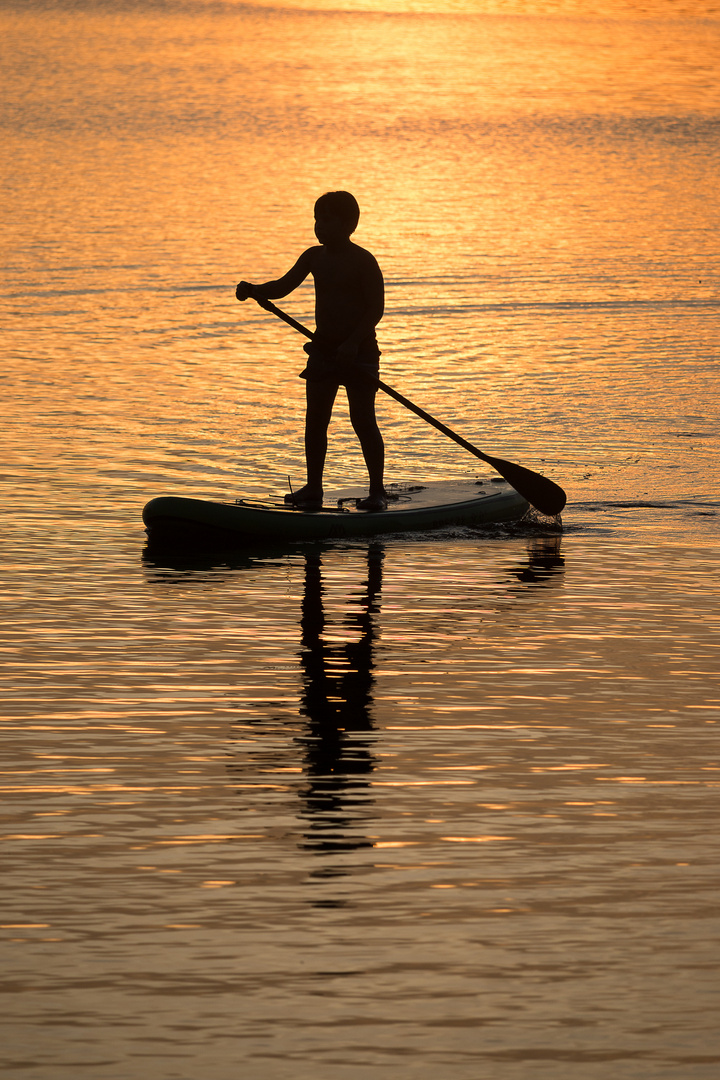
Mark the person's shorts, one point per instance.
(323, 367)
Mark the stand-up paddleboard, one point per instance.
(172, 521)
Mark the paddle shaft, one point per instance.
(540, 492)
(269, 306)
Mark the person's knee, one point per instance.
(370, 438)
(362, 415)
(364, 423)
(318, 416)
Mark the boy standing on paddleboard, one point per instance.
(349, 303)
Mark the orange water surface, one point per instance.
(431, 808)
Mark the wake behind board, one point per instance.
(173, 521)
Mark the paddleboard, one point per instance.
(177, 522)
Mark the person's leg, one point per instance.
(320, 397)
(361, 399)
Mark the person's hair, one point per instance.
(343, 205)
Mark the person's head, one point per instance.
(336, 215)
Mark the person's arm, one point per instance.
(275, 290)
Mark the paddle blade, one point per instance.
(545, 495)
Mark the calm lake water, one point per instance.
(432, 808)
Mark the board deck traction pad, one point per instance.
(400, 496)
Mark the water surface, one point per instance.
(439, 807)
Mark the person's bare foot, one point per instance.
(373, 503)
(305, 498)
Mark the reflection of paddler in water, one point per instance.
(337, 666)
(544, 562)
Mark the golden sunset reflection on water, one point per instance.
(431, 807)
(615, 9)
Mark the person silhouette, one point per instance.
(349, 303)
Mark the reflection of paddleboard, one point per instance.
(177, 522)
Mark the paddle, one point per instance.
(546, 496)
